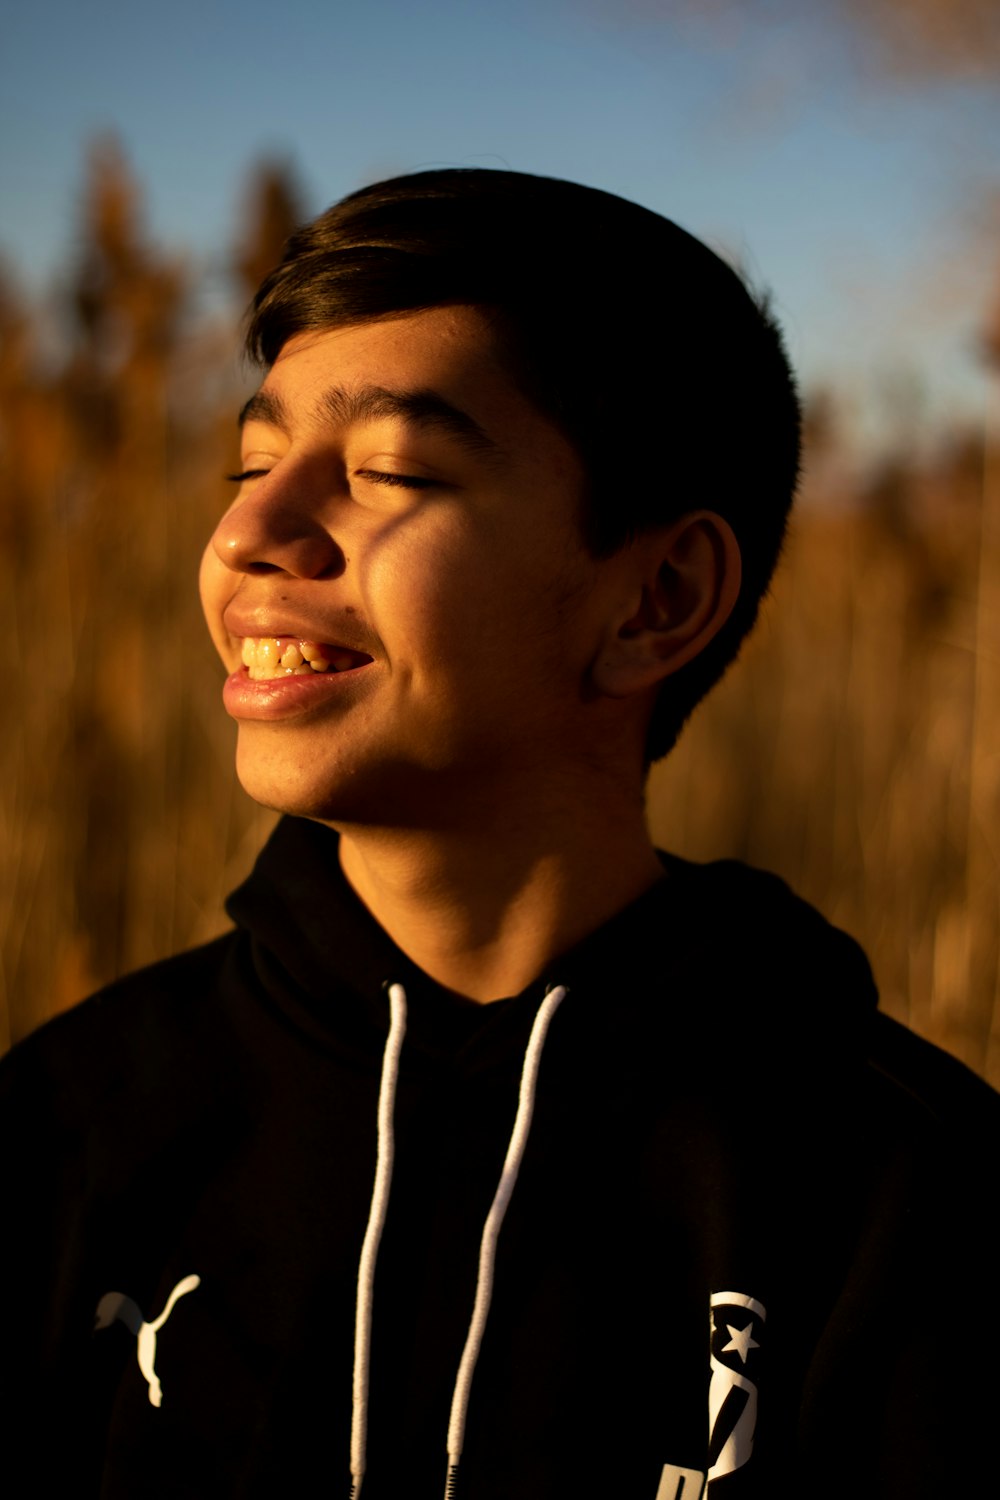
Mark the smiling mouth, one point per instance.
(267, 656)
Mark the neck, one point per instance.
(483, 906)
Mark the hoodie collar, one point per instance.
(708, 945)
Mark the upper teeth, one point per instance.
(264, 656)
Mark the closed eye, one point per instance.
(403, 481)
(374, 476)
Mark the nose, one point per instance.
(276, 527)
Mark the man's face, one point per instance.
(404, 570)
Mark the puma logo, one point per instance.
(116, 1305)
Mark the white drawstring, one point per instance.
(491, 1233)
(487, 1247)
(373, 1234)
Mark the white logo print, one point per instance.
(735, 1321)
(116, 1305)
(680, 1484)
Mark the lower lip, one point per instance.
(286, 697)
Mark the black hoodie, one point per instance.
(747, 1238)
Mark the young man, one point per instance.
(493, 1153)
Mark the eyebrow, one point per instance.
(264, 406)
(344, 407)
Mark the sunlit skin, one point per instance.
(482, 758)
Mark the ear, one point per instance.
(682, 582)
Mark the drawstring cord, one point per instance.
(373, 1234)
(491, 1232)
(487, 1247)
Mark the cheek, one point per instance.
(457, 605)
(419, 586)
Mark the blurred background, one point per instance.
(152, 160)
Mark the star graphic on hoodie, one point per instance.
(741, 1341)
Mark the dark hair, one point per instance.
(646, 349)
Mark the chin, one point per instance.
(298, 797)
(341, 793)
(281, 782)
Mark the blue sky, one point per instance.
(863, 199)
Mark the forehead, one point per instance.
(440, 370)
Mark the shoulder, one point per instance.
(800, 993)
(133, 1037)
(939, 1097)
(116, 1109)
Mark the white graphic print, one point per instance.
(732, 1395)
(116, 1305)
(680, 1484)
(741, 1340)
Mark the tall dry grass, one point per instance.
(854, 749)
